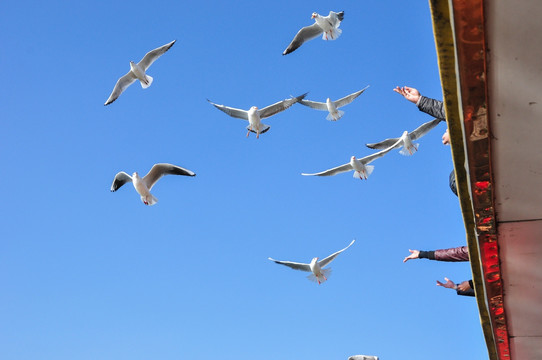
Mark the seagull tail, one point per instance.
(264, 128)
(407, 151)
(335, 117)
(363, 176)
(333, 34)
(149, 82)
(322, 277)
(149, 199)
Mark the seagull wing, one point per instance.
(330, 258)
(335, 18)
(120, 179)
(120, 86)
(293, 265)
(384, 144)
(152, 55)
(334, 171)
(159, 170)
(367, 159)
(349, 98)
(305, 34)
(314, 104)
(279, 106)
(424, 129)
(233, 112)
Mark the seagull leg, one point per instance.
(257, 135)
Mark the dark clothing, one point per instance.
(432, 107)
(453, 187)
(436, 108)
(469, 292)
(453, 254)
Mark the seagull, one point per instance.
(318, 274)
(137, 72)
(328, 25)
(360, 167)
(254, 115)
(406, 140)
(144, 185)
(363, 357)
(333, 106)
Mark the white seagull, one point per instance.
(137, 72)
(360, 167)
(255, 115)
(333, 106)
(318, 274)
(144, 185)
(326, 25)
(406, 140)
(363, 357)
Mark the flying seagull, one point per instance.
(137, 72)
(254, 115)
(406, 140)
(360, 167)
(326, 25)
(144, 185)
(363, 357)
(318, 274)
(333, 106)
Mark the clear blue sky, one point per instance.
(90, 274)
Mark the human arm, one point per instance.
(465, 288)
(452, 254)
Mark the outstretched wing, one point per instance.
(152, 55)
(349, 98)
(293, 265)
(330, 258)
(279, 106)
(333, 171)
(314, 104)
(367, 159)
(159, 170)
(305, 34)
(233, 112)
(424, 129)
(120, 179)
(120, 86)
(384, 144)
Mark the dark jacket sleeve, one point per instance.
(453, 254)
(432, 107)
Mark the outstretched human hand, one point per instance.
(448, 284)
(414, 254)
(409, 93)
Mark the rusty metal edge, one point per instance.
(442, 18)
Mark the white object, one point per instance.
(328, 26)
(137, 72)
(363, 357)
(360, 166)
(144, 185)
(406, 140)
(255, 115)
(333, 106)
(316, 267)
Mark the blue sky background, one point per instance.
(90, 274)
